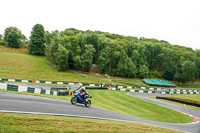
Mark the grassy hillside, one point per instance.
(18, 64)
(15, 123)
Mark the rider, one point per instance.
(83, 92)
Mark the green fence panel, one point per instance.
(65, 83)
(12, 87)
(18, 80)
(107, 85)
(43, 91)
(4, 79)
(30, 81)
(42, 82)
(51, 92)
(54, 82)
(136, 90)
(127, 89)
(31, 90)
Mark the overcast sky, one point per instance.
(176, 21)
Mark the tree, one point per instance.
(1, 36)
(13, 39)
(189, 70)
(87, 57)
(37, 40)
(179, 77)
(143, 71)
(9, 29)
(51, 51)
(62, 56)
(126, 68)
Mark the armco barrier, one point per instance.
(26, 89)
(163, 91)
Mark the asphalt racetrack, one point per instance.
(18, 103)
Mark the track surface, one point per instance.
(27, 103)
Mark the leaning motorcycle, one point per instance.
(78, 99)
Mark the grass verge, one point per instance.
(194, 107)
(23, 123)
(120, 102)
(195, 97)
(18, 64)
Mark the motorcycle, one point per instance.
(77, 98)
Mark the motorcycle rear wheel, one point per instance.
(88, 103)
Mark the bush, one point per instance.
(2, 42)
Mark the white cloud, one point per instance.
(176, 21)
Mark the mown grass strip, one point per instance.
(120, 102)
(195, 97)
(23, 123)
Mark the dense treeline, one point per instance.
(123, 56)
(116, 55)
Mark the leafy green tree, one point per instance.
(197, 61)
(87, 57)
(126, 68)
(37, 40)
(62, 56)
(180, 78)
(51, 51)
(14, 39)
(9, 29)
(1, 36)
(189, 70)
(143, 72)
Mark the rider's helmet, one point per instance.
(82, 89)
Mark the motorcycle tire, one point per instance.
(73, 100)
(88, 103)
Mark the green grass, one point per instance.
(130, 83)
(189, 86)
(25, 123)
(18, 64)
(120, 102)
(190, 106)
(195, 97)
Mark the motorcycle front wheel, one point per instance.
(73, 100)
(88, 103)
